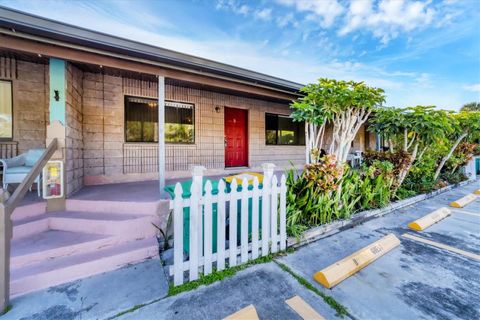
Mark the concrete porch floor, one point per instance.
(140, 191)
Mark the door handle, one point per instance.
(225, 142)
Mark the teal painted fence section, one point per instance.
(57, 83)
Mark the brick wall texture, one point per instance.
(30, 101)
(74, 129)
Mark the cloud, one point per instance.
(388, 19)
(326, 11)
(473, 87)
(285, 20)
(263, 14)
(234, 6)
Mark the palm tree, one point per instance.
(472, 106)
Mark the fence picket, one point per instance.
(274, 215)
(194, 228)
(255, 217)
(244, 222)
(265, 216)
(221, 226)
(264, 209)
(233, 224)
(178, 235)
(283, 213)
(207, 243)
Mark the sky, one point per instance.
(419, 52)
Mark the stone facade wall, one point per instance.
(103, 124)
(360, 143)
(74, 129)
(30, 83)
(103, 106)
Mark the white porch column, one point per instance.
(161, 134)
(378, 142)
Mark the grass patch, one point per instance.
(7, 308)
(340, 309)
(138, 306)
(218, 275)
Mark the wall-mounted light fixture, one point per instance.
(218, 109)
(57, 95)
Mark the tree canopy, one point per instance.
(344, 104)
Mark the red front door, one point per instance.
(236, 144)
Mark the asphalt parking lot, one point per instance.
(413, 281)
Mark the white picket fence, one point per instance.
(270, 238)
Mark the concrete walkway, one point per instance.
(413, 281)
(97, 297)
(265, 286)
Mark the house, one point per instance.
(124, 111)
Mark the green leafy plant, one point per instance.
(166, 234)
(318, 195)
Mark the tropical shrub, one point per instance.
(462, 155)
(342, 192)
(413, 130)
(420, 178)
(399, 159)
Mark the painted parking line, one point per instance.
(342, 269)
(442, 246)
(466, 212)
(430, 219)
(462, 202)
(247, 313)
(304, 310)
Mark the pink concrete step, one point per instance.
(53, 244)
(29, 210)
(60, 270)
(130, 225)
(115, 206)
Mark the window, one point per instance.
(179, 122)
(281, 130)
(141, 121)
(6, 110)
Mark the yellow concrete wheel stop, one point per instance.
(303, 309)
(247, 313)
(430, 219)
(477, 192)
(462, 202)
(342, 269)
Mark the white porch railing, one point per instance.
(262, 210)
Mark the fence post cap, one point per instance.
(198, 170)
(268, 166)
